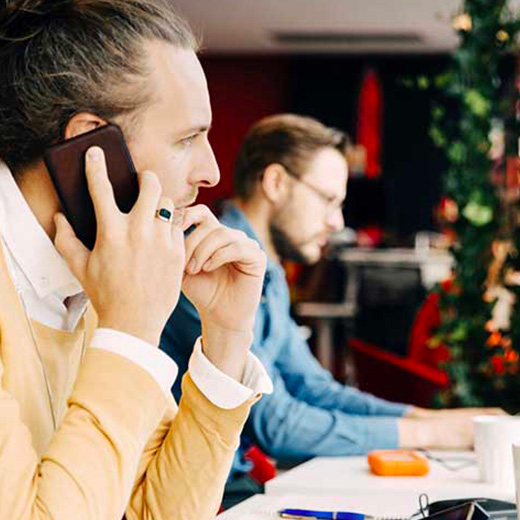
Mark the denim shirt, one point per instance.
(309, 413)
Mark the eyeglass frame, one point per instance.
(331, 205)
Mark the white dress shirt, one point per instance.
(53, 296)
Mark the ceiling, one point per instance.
(330, 26)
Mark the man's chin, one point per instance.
(310, 254)
(306, 251)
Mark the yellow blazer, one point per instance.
(121, 448)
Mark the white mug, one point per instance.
(494, 439)
(516, 460)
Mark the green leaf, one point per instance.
(438, 112)
(460, 333)
(477, 103)
(438, 137)
(423, 82)
(444, 80)
(478, 214)
(457, 152)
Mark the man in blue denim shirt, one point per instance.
(290, 183)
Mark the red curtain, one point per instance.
(370, 121)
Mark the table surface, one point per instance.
(345, 483)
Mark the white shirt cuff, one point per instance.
(158, 364)
(222, 390)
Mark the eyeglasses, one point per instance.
(331, 203)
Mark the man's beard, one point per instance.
(285, 247)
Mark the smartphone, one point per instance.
(465, 511)
(66, 164)
(496, 509)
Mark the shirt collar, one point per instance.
(233, 217)
(29, 244)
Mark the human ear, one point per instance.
(275, 183)
(81, 123)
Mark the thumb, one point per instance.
(70, 247)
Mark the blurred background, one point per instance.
(313, 57)
(375, 69)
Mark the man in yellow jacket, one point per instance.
(88, 429)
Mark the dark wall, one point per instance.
(243, 89)
(328, 88)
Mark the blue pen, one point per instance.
(315, 515)
(306, 514)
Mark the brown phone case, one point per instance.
(66, 164)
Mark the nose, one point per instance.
(335, 220)
(207, 174)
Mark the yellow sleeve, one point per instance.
(186, 477)
(88, 470)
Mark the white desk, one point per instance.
(264, 507)
(347, 484)
(351, 475)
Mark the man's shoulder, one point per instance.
(231, 216)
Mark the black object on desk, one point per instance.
(495, 509)
(466, 510)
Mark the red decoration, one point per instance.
(370, 121)
(513, 177)
(427, 320)
(264, 468)
(498, 364)
(448, 210)
(494, 340)
(369, 236)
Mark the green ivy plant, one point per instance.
(483, 361)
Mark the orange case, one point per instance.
(398, 463)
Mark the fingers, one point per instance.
(239, 254)
(492, 411)
(212, 241)
(205, 222)
(197, 236)
(70, 247)
(223, 245)
(148, 200)
(164, 227)
(100, 188)
(197, 216)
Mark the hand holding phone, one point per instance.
(66, 164)
(134, 272)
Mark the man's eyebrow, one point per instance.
(196, 130)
